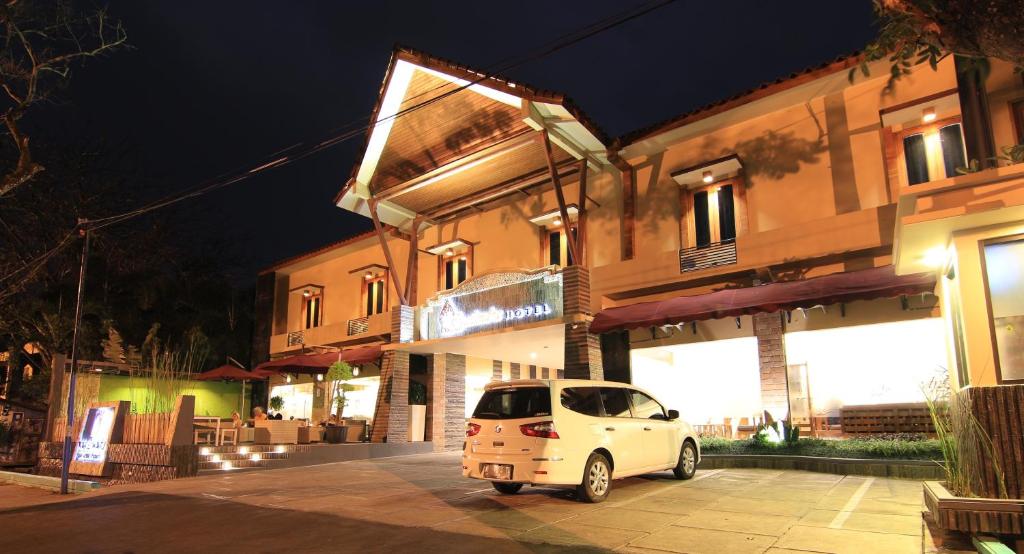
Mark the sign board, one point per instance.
(492, 301)
(103, 423)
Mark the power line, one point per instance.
(282, 158)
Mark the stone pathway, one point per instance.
(422, 503)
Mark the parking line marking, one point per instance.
(851, 504)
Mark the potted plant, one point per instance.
(338, 374)
(973, 498)
(276, 403)
(417, 411)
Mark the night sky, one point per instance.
(211, 87)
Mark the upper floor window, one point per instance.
(374, 292)
(1018, 119)
(312, 308)
(934, 151)
(557, 245)
(455, 266)
(714, 214)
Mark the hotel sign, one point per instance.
(103, 425)
(493, 301)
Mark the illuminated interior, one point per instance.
(1004, 265)
(298, 400)
(706, 381)
(880, 363)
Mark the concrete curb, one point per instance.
(899, 469)
(48, 483)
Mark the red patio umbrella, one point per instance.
(318, 363)
(228, 372)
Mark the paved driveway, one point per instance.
(421, 503)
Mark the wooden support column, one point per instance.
(560, 196)
(581, 223)
(387, 251)
(412, 272)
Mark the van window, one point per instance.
(646, 407)
(615, 402)
(514, 403)
(582, 400)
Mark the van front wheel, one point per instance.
(687, 464)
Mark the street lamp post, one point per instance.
(70, 419)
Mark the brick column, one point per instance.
(771, 350)
(391, 415)
(582, 349)
(451, 426)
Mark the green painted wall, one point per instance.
(213, 398)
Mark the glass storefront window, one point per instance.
(1004, 275)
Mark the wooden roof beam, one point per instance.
(511, 186)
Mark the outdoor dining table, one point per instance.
(211, 419)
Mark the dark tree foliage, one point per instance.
(912, 32)
(143, 272)
(40, 43)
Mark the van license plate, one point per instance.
(496, 471)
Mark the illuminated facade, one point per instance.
(514, 239)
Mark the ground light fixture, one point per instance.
(279, 449)
(928, 115)
(708, 177)
(205, 451)
(243, 450)
(215, 458)
(226, 465)
(254, 457)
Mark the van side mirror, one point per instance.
(673, 414)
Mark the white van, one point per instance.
(574, 432)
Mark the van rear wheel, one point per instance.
(597, 479)
(507, 488)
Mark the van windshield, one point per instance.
(514, 403)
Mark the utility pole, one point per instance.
(69, 424)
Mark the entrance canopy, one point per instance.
(446, 138)
(318, 363)
(867, 284)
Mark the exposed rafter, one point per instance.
(560, 196)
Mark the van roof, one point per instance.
(552, 382)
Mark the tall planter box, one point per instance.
(972, 515)
(417, 422)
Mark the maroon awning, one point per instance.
(228, 372)
(318, 363)
(866, 284)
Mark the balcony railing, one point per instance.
(704, 257)
(358, 326)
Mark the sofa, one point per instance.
(276, 431)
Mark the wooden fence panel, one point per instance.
(1000, 411)
(146, 428)
(887, 418)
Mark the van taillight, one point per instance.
(543, 429)
(472, 429)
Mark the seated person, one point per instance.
(236, 420)
(258, 414)
(279, 416)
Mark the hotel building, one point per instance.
(803, 247)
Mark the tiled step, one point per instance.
(220, 459)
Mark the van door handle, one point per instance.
(609, 428)
(647, 428)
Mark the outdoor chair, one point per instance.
(226, 434)
(204, 435)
